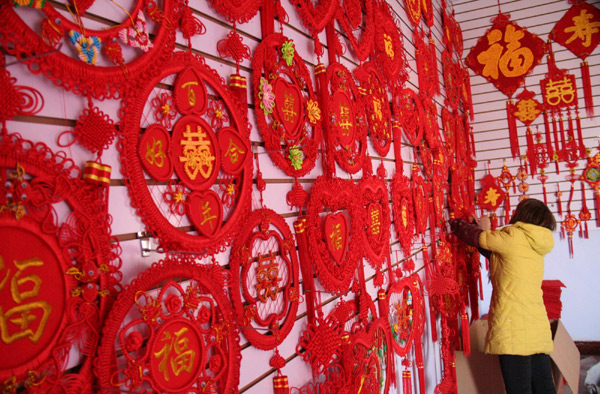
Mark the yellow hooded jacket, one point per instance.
(518, 323)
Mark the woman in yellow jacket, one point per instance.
(519, 330)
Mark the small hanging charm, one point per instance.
(491, 196)
(558, 200)
(506, 179)
(591, 175)
(234, 48)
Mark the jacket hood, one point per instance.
(540, 238)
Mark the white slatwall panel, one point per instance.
(490, 126)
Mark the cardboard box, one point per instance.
(480, 373)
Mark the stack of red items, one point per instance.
(552, 290)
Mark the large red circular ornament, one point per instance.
(59, 267)
(287, 110)
(377, 106)
(264, 270)
(91, 62)
(333, 238)
(347, 119)
(199, 207)
(357, 21)
(177, 339)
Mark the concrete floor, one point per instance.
(586, 363)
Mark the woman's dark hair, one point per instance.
(535, 212)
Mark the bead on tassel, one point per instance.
(587, 88)
(281, 385)
(512, 130)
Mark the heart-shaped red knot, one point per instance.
(344, 126)
(154, 150)
(289, 108)
(234, 150)
(190, 92)
(205, 211)
(336, 235)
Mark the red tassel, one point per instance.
(281, 385)
(562, 132)
(580, 137)
(306, 268)
(420, 365)
(267, 18)
(597, 198)
(548, 135)
(587, 233)
(382, 303)
(587, 88)
(570, 123)
(328, 159)
(558, 201)
(494, 221)
(512, 130)
(397, 135)
(436, 74)
(406, 382)
(466, 336)
(555, 132)
(239, 87)
(530, 148)
(570, 245)
(545, 197)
